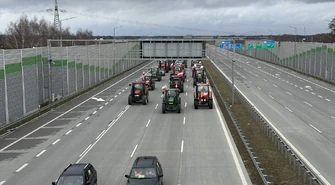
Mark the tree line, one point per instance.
(28, 33)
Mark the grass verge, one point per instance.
(59, 103)
(274, 163)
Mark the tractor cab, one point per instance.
(176, 82)
(163, 66)
(155, 73)
(203, 95)
(139, 92)
(149, 81)
(199, 77)
(171, 101)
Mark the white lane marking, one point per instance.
(23, 166)
(111, 99)
(291, 83)
(120, 114)
(319, 96)
(250, 82)
(182, 146)
(186, 86)
(187, 80)
(306, 90)
(78, 124)
(186, 94)
(115, 96)
(327, 99)
(126, 87)
(288, 93)
(132, 154)
(287, 82)
(302, 157)
(119, 92)
(16, 141)
(333, 117)
(96, 141)
(288, 109)
(308, 103)
(259, 88)
(148, 123)
(265, 80)
(89, 146)
(301, 88)
(106, 103)
(39, 154)
(295, 86)
(55, 141)
(184, 120)
(271, 97)
(185, 104)
(156, 106)
(230, 143)
(87, 118)
(68, 132)
(100, 134)
(256, 75)
(162, 95)
(313, 93)
(274, 85)
(101, 107)
(94, 112)
(2, 182)
(123, 90)
(315, 128)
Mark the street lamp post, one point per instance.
(295, 44)
(114, 48)
(61, 50)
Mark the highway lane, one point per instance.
(169, 137)
(284, 106)
(32, 139)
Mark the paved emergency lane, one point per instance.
(302, 114)
(64, 136)
(182, 142)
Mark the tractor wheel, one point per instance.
(130, 100)
(210, 103)
(163, 108)
(182, 89)
(196, 103)
(179, 108)
(145, 100)
(160, 78)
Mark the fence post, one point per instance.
(67, 71)
(23, 88)
(89, 67)
(37, 74)
(5, 80)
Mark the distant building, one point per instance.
(188, 37)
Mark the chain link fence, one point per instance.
(32, 77)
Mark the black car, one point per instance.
(78, 174)
(146, 170)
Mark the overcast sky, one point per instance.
(169, 17)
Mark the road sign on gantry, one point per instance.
(224, 44)
(250, 46)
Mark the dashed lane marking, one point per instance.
(21, 168)
(315, 128)
(132, 154)
(39, 154)
(55, 142)
(288, 109)
(148, 123)
(78, 124)
(308, 104)
(68, 132)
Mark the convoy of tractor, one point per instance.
(171, 100)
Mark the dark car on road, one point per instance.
(146, 170)
(78, 174)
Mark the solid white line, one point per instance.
(68, 132)
(288, 93)
(133, 151)
(327, 99)
(39, 154)
(315, 128)
(182, 146)
(271, 97)
(186, 94)
(120, 114)
(100, 134)
(302, 157)
(156, 106)
(308, 104)
(23, 166)
(101, 107)
(96, 141)
(16, 141)
(94, 112)
(274, 85)
(148, 123)
(78, 124)
(87, 118)
(288, 109)
(106, 103)
(55, 142)
(2, 182)
(185, 104)
(184, 121)
(111, 99)
(89, 146)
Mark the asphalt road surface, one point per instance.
(194, 146)
(302, 108)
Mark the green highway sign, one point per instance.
(250, 46)
(262, 46)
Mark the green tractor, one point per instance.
(171, 101)
(155, 73)
(199, 77)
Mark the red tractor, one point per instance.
(139, 92)
(178, 70)
(203, 95)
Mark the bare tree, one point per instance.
(331, 26)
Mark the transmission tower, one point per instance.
(56, 16)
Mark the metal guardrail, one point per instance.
(295, 158)
(244, 139)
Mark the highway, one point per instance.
(302, 108)
(194, 147)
